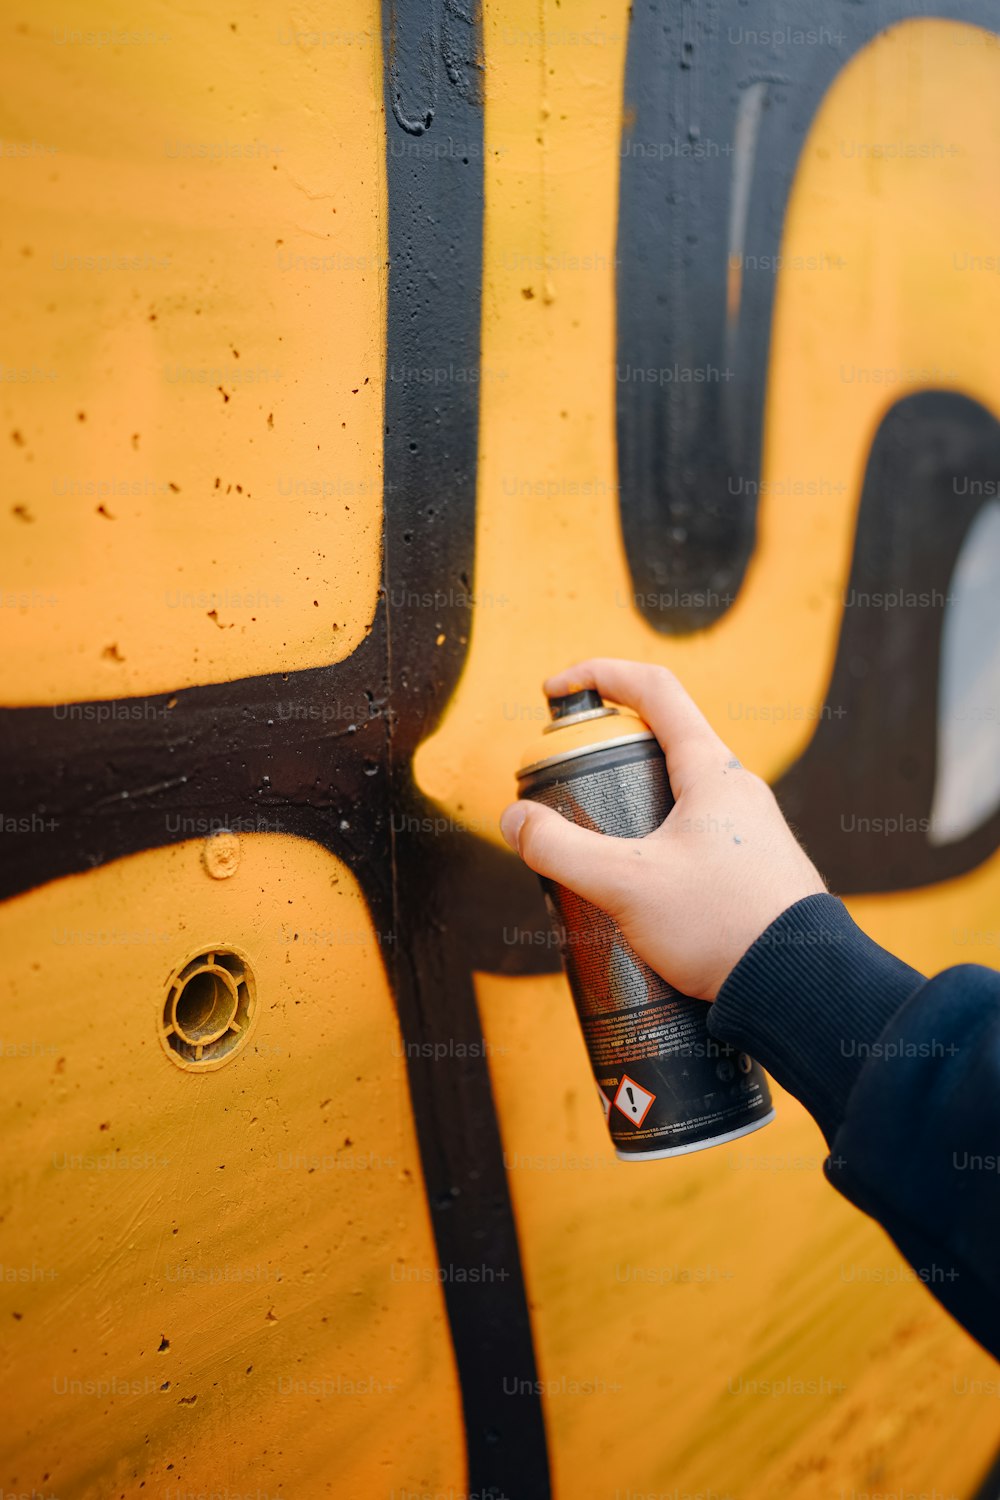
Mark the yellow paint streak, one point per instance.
(271, 1223)
(230, 377)
(955, 922)
(550, 566)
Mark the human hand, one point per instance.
(692, 896)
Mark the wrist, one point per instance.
(807, 1000)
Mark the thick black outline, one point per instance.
(873, 755)
(684, 448)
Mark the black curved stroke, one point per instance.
(689, 438)
(933, 465)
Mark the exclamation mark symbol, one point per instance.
(631, 1100)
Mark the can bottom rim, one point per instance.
(713, 1140)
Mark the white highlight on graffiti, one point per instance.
(749, 113)
(967, 789)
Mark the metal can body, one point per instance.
(667, 1087)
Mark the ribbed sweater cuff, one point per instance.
(808, 999)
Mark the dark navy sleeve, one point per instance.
(902, 1074)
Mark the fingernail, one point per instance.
(511, 822)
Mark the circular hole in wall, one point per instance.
(209, 1008)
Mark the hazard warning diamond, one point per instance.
(633, 1100)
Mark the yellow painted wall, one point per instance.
(193, 266)
(264, 1222)
(272, 1227)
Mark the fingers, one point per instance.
(589, 863)
(689, 742)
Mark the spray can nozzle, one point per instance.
(578, 704)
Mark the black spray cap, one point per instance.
(583, 700)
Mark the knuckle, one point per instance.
(661, 678)
(759, 789)
(656, 685)
(536, 841)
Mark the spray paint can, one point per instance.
(666, 1086)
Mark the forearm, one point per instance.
(903, 1076)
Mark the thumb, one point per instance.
(589, 863)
